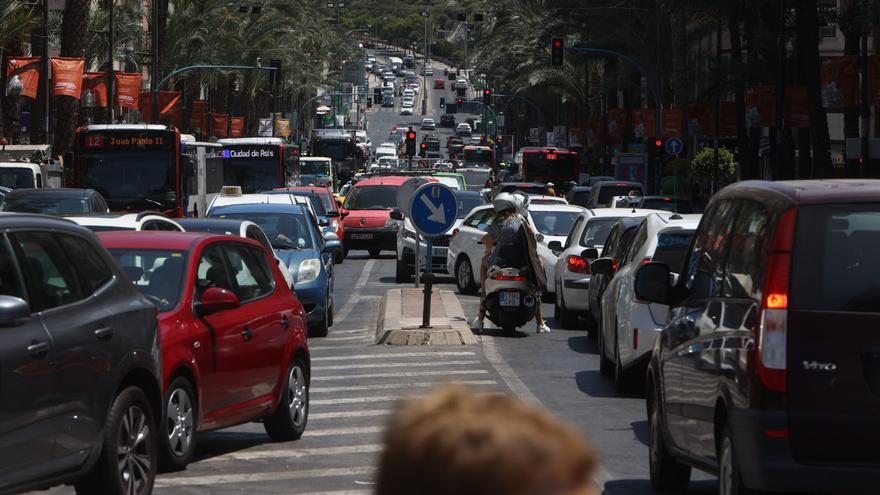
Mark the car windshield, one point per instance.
(132, 180)
(284, 230)
(468, 202)
(554, 223)
(314, 167)
(596, 232)
(157, 273)
(46, 206)
(372, 198)
(16, 177)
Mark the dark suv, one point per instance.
(768, 371)
(79, 383)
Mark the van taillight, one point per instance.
(771, 340)
(576, 264)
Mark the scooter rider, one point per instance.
(503, 237)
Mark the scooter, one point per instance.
(510, 298)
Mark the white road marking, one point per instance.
(281, 454)
(386, 386)
(349, 414)
(401, 374)
(393, 355)
(218, 479)
(355, 400)
(394, 365)
(354, 430)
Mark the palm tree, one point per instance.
(74, 30)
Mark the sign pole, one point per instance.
(417, 263)
(426, 307)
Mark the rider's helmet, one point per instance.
(506, 201)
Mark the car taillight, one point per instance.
(576, 264)
(509, 278)
(615, 264)
(771, 340)
(647, 260)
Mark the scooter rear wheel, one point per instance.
(508, 330)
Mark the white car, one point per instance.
(386, 150)
(461, 84)
(429, 71)
(146, 220)
(553, 222)
(572, 280)
(629, 326)
(463, 129)
(428, 124)
(406, 109)
(541, 199)
(408, 101)
(408, 92)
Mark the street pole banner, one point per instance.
(761, 106)
(236, 127)
(28, 71)
(643, 122)
(170, 106)
(616, 123)
(282, 127)
(673, 120)
(128, 87)
(220, 125)
(265, 128)
(840, 81)
(67, 76)
(728, 119)
(797, 107)
(96, 82)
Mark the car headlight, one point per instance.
(308, 270)
(334, 225)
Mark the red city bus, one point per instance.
(478, 156)
(136, 167)
(550, 165)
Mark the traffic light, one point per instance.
(423, 149)
(557, 45)
(410, 143)
(487, 96)
(442, 102)
(658, 144)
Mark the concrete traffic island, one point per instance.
(401, 316)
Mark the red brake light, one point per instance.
(615, 264)
(576, 264)
(509, 278)
(645, 261)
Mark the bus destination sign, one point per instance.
(250, 152)
(133, 140)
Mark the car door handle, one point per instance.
(247, 333)
(285, 322)
(104, 333)
(38, 349)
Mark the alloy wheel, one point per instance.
(133, 451)
(464, 275)
(297, 395)
(179, 422)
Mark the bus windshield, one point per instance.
(132, 180)
(334, 149)
(314, 167)
(563, 166)
(477, 157)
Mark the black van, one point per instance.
(768, 371)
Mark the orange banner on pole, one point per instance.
(67, 76)
(236, 127)
(761, 106)
(616, 123)
(220, 125)
(96, 83)
(170, 107)
(797, 107)
(28, 71)
(128, 86)
(673, 119)
(644, 122)
(198, 116)
(840, 81)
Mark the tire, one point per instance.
(464, 277)
(402, 273)
(345, 253)
(592, 326)
(604, 364)
(622, 378)
(115, 470)
(508, 330)
(338, 258)
(289, 420)
(567, 319)
(177, 435)
(374, 253)
(729, 475)
(330, 314)
(667, 474)
(320, 329)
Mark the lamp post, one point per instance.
(111, 107)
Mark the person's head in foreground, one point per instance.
(457, 442)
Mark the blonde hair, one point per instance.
(463, 443)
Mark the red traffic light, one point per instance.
(424, 146)
(487, 91)
(411, 135)
(658, 143)
(557, 43)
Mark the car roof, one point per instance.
(661, 221)
(117, 219)
(805, 192)
(624, 212)
(259, 208)
(11, 220)
(51, 193)
(308, 189)
(627, 183)
(183, 241)
(229, 224)
(556, 207)
(385, 180)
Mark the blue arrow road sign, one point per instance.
(433, 207)
(674, 146)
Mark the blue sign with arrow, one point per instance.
(674, 146)
(433, 209)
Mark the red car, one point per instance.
(366, 214)
(331, 210)
(232, 334)
(439, 84)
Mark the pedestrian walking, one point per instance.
(461, 442)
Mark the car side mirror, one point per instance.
(215, 299)
(332, 246)
(652, 283)
(555, 246)
(330, 236)
(602, 266)
(13, 311)
(332, 214)
(396, 214)
(343, 213)
(590, 253)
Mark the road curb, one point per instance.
(447, 329)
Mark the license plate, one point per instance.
(361, 236)
(509, 298)
(439, 251)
